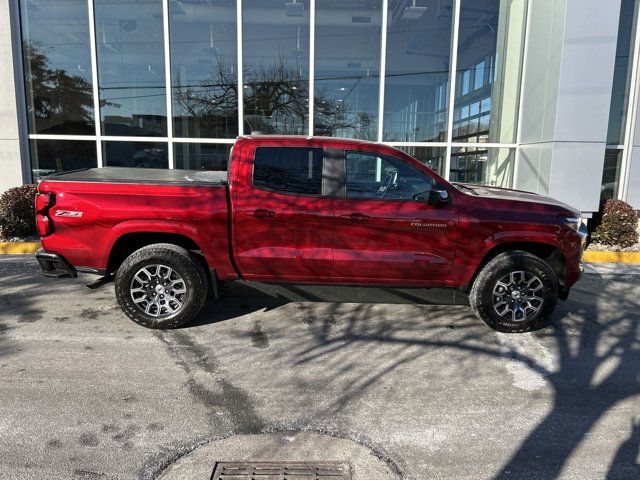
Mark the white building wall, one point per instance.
(11, 165)
(566, 96)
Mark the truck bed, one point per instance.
(144, 176)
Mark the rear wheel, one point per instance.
(161, 286)
(515, 292)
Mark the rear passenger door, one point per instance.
(283, 225)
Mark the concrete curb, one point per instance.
(13, 248)
(611, 257)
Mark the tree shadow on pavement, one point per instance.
(598, 367)
(595, 340)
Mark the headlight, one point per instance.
(573, 222)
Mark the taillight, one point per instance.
(43, 202)
(44, 225)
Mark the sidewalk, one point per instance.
(612, 268)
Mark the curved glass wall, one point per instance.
(622, 73)
(490, 42)
(619, 107)
(486, 166)
(437, 78)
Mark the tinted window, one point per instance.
(417, 77)
(373, 176)
(204, 69)
(135, 154)
(275, 58)
(52, 156)
(347, 68)
(57, 67)
(201, 156)
(131, 73)
(288, 170)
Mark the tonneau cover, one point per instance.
(155, 176)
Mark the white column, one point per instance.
(11, 129)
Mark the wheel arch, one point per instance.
(128, 243)
(545, 251)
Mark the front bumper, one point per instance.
(54, 265)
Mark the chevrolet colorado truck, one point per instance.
(308, 210)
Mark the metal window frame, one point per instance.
(453, 70)
(20, 92)
(99, 137)
(523, 74)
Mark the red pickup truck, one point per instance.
(308, 210)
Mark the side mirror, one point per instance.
(439, 198)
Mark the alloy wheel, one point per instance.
(516, 296)
(158, 290)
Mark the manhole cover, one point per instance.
(300, 455)
(281, 471)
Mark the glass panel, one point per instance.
(347, 68)
(135, 154)
(131, 67)
(204, 76)
(57, 66)
(622, 73)
(611, 174)
(485, 166)
(275, 53)
(288, 170)
(52, 156)
(383, 178)
(417, 71)
(490, 47)
(432, 157)
(201, 156)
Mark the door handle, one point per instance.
(263, 213)
(356, 217)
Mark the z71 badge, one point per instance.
(68, 213)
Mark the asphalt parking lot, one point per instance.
(390, 381)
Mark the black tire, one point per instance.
(482, 298)
(183, 264)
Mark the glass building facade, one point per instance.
(171, 84)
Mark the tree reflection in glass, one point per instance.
(57, 66)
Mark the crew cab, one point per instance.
(308, 210)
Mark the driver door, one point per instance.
(385, 231)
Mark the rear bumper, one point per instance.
(54, 265)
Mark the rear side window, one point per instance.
(288, 170)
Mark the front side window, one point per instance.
(381, 177)
(288, 170)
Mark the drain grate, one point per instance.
(281, 471)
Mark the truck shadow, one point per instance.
(241, 298)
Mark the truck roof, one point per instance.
(155, 176)
(313, 139)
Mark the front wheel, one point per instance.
(515, 292)
(161, 286)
